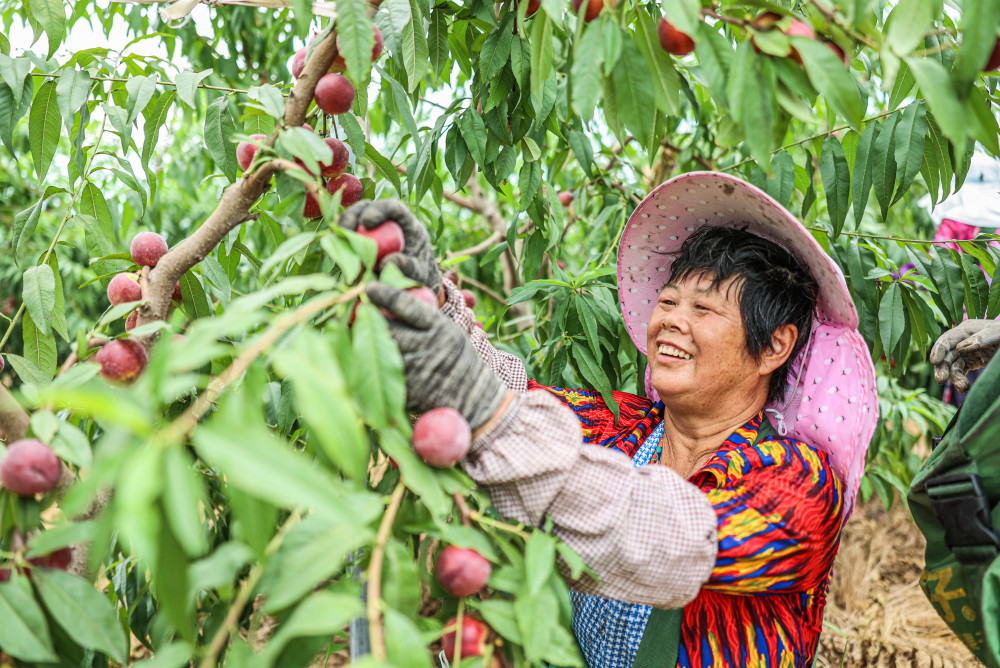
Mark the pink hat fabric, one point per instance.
(832, 402)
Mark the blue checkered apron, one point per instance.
(609, 631)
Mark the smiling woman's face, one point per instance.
(697, 345)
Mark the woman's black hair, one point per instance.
(774, 288)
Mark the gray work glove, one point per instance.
(441, 365)
(971, 345)
(417, 260)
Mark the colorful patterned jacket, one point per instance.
(779, 507)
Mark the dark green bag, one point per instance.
(953, 500)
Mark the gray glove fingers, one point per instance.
(941, 373)
(406, 264)
(349, 219)
(387, 209)
(406, 308)
(958, 377)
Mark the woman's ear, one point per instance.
(782, 343)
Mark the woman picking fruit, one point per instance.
(710, 511)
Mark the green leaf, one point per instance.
(355, 135)
(43, 127)
(24, 225)
(377, 381)
(140, 92)
(684, 14)
(593, 374)
(750, 89)
(907, 23)
(194, 301)
(437, 39)
(496, 50)
(72, 445)
(474, 134)
(26, 370)
(420, 478)
(39, 347)
(583, 150)
(183, 498)
(324, 401)
(585, 73)
(15, 72)
(52, 15)
(976, 287)
(59, 306)
(384, 167)
(861, 180)
(219, 129)
(836, 181)
(404, 644)
(947, 277)
(979, 23)
(322, 614)
(831, 80)
(665, 81)
(93, 204)
(72, 91)
(634, 95)
(413, 45)
(82, 611)
(715, 54)
(24, 633)
(39, 295)
(891, 318)
(884, 164)
(270, 99)
(11, 112)
(941, 97)
(539, 561)
(910, 135)
(982, 123)
(187, 84)
(542, 56)
(355, 38)
(499, 614)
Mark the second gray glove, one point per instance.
(963, 348)
(417, 259)
(441, 365)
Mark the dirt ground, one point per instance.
(876, 615)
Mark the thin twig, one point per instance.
(495, 296)
(56, 75)
(375, 631)
(518, 530)
(464, 512)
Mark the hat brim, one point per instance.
(676, 208)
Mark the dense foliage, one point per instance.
(231, 503)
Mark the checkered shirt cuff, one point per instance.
(507, 367)
(647, 533)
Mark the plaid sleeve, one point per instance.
(779, 526)
(648, 534)
(507, 367)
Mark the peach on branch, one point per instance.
(533, 6)
(122, 361)
(993, 63)
(462, 571)
(594, 8)
(131, 320)
(334, 94)
(470, 298)
(796, 28)
(338, 164)
(59, 559)
(565, 198)
(124, 288)
(176, 297)
(351, 190)
(474, 637)
(673, 40)
(147, 249)
(245, 151)
(340, 65)
(388, 237)
(311, 208)
(29, 467)
(441, 436)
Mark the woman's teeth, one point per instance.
(673, 352)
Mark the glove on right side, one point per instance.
(417, 260)
(971, 345)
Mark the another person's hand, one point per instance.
(417, 259)
(964, 348)
(442, 367)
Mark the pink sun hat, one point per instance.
(831, 401)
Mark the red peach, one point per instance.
(1, 364)
(462, 571)
(124, 288)
(299, 61)
(334, 94)
(311, 207)
(833, 46)
(131, 321)
(122, 361)
(176, 297)
(594, 8)
(147, 249)
(245, 151)
(340, 158)
(994, 62)
(350, 186)
(673, 40)
(470, 298)
(424, 294)
(388, 237)
(474, 633)
(533, 6)
(441, 436)
(451, 275)
(565, 198)
(60, 559)
(29, 467)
